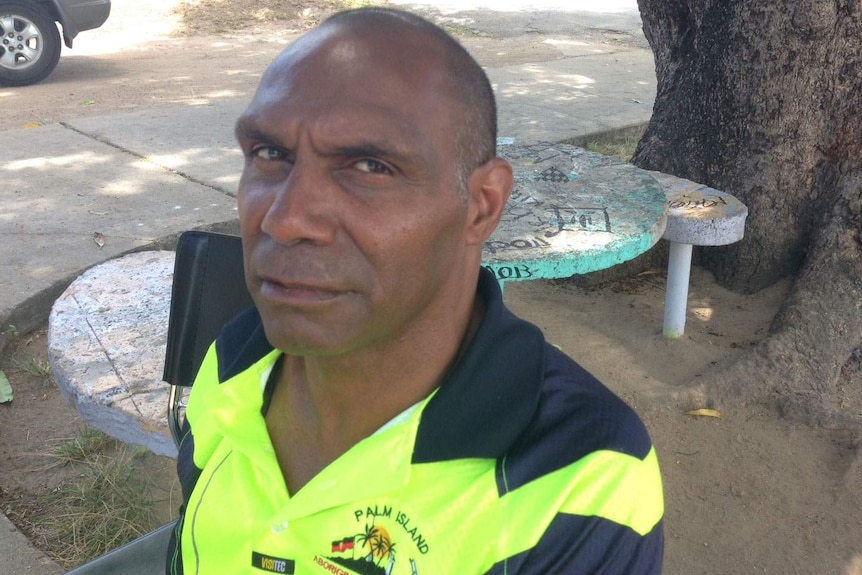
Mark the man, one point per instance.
(380, 411)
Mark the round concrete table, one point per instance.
(107, 335)
(571, 212)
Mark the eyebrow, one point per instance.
(247, 128)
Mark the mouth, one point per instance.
(297, 293)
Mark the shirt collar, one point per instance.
(491, 392)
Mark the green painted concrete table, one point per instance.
(572, 212)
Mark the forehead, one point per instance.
(384, 78)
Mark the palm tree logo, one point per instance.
(379, 545)
(366, 539)
(372, 551)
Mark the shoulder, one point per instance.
(587, 411)
(587, 462)
(241, 343)
(587, 445)
(236, 359)
(576, 416)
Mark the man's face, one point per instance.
(352, 217)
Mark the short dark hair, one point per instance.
(476, 132)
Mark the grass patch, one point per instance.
(103, 503)
(349, 4)
(623, 150)
(104, 508)
(88, 444)
(37, 368)
(620, 144)
(227, 16)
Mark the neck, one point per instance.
(356, 394)
(323, 405)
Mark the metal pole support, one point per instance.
(676, 298)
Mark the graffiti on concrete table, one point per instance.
(511, 272)
(571, 211)
(695, 201)
(528, 243)
(565, 219)
(548, 220)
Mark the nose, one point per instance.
(303, 209)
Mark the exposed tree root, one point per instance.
(751, 382)
(796, 369)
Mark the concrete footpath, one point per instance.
(139, 179)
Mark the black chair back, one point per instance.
(208, 291)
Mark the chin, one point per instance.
(296, 343)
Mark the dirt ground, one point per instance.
(747, 493)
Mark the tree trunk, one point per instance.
(764, 100)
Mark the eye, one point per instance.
(371, 166)
(268, 153)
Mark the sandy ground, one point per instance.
(747, 493)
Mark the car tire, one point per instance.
(29, 43)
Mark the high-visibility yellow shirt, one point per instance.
(521, 462)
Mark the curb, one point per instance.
(34, 311)
(24, 552)
(612, 136)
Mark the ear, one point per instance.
(489, 187)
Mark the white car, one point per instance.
(30, 39)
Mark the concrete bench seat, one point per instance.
(697, 216)
(106, 344)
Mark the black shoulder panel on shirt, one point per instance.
(240, 344)
(174, 555)
(188, 474)
(576, 545)
(577, 415)
(490, 393)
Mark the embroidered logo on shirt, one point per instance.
(371, 552)
(273, 564)
(374, 551)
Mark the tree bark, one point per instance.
(764, 100)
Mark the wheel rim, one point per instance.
(21, 43)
